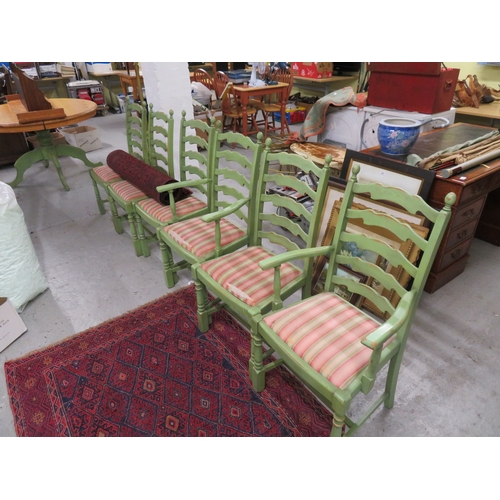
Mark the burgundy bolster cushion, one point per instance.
(144, 176)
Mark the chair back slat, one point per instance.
(195, 144)
(392, 255)
(235, 173)
(161, 140)
(394, 226)
(136, 126)
(279, 209)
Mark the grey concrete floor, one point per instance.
(449, 383)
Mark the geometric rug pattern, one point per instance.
(151, 372)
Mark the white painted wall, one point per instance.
(167, 87)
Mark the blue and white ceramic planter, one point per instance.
(396, 136)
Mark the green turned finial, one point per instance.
(450, 200)
(355, 172)
(268, 144)
(260, 136)
(328, 160)
(171, 113)
(183, 113)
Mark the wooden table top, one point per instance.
(271, 88)
(491, 110)
(316, 152)
(325, 80)
(76, 110)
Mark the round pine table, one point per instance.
(76, 110)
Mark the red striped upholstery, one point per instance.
(127, 191)
(198, 237)
(163, 213)
(326, 332)
(240, 274)
(106, 174)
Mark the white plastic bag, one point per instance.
(21, 278)
(201, 93)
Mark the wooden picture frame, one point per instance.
(412, 179)
(335, 192)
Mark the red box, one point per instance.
(421, 87)
(409, 68)
(315, 70)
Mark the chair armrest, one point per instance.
(225, 212)
(381, 335)
(181, 184)
(277, 260)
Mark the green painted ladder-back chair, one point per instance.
(336, 348)
(159, 135)
(193, 174)
(236, 280)
(135, 129)
(231, 200)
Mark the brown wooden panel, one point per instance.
(453, 255)
(460, 234)
(437, 280)
(12, 146)
(467, 212)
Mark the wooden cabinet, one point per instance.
(12, 146)
(476, 210)
(453, 253)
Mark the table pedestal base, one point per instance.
(48, 151)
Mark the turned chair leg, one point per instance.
(171, 277)
(133, 232)
(142, 238)
(116, 218)
(202, 299)
(255, 366)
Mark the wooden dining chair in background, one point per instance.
(201, 76)
(268, 109)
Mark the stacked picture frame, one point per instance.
(372, 169)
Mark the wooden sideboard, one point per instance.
(476, 189)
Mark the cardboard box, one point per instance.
(57, 138)
(99, 67)
(315, 70)
(11, 324)
(84, 137)
(424, 87)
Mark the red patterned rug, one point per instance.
(151, 372)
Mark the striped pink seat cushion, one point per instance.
(127, 191)
(326, 332)
(240, 274)
(106, 174)
(163, 213)
(198, 237)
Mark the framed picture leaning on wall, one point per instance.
(412, 179)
